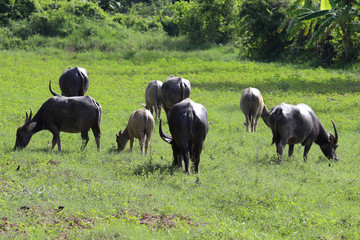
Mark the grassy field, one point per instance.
(240, 193)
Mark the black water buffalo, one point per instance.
(153, 97)
(298, 124)
(174, 90)
(188, 124)
(74, 82)
(63, 114)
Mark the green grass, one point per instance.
(241, 191)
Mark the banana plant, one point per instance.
(342, 19)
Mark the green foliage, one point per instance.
(257, 29)
(57, 19)
(334, 27)
(203, 20)
(15, 10)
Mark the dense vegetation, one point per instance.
(263, 30)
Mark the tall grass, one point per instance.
(241, 191)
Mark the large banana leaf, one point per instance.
(314, 14)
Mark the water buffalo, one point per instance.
(63, 114)
(153, 98)
(174, 90)
(251, 104)
(188, 124)
(298, 124)
(74, 82)
(140, 125)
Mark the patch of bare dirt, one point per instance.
(158, 221)
(6, 226)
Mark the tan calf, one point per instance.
(141, 125)
(251, 104)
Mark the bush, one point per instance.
(201, 21)
(15, 10)
(137, 23)
(257, 29)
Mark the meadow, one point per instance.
(241, 192)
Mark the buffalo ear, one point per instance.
(31, 126)
(331, 138)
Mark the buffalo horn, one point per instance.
(28, 118)
(336, 134)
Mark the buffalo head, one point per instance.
(329, 148)
(121, 141)
(25, 132)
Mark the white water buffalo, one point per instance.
(74, 82)
(153, 97)
(140, 125)
(63, 114)
(298, 124)
(252, 105)
(188, 124)
(174, 90)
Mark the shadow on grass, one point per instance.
(39, 150)
(150, 168)
(287, 84)
(270, 159)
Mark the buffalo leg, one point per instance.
(252, 120)
(131, 144)
(306, 150)
(97, 134)
(56, 140)
(85, 138)
(247, 118)
(176, 156)
(158, 111)
(196, 157)
(186, 161)
(148, 137)
(280, 149)
(256, 123)
(291, 150)
(141, 143)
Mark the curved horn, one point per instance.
(164, 136)
(28, 118)
(52, 91)
(336, 134)
(30, 114)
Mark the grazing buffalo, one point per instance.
(252, 105)
(298, 124)
(140, 125)
(74, 82)
(174, 90)
(188, 124)
(63, 114)
(153, 97)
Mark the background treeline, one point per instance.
(263, 30)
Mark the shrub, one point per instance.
(257, 29)
(201, 21)
(15, 10)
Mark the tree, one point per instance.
(257, 28)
